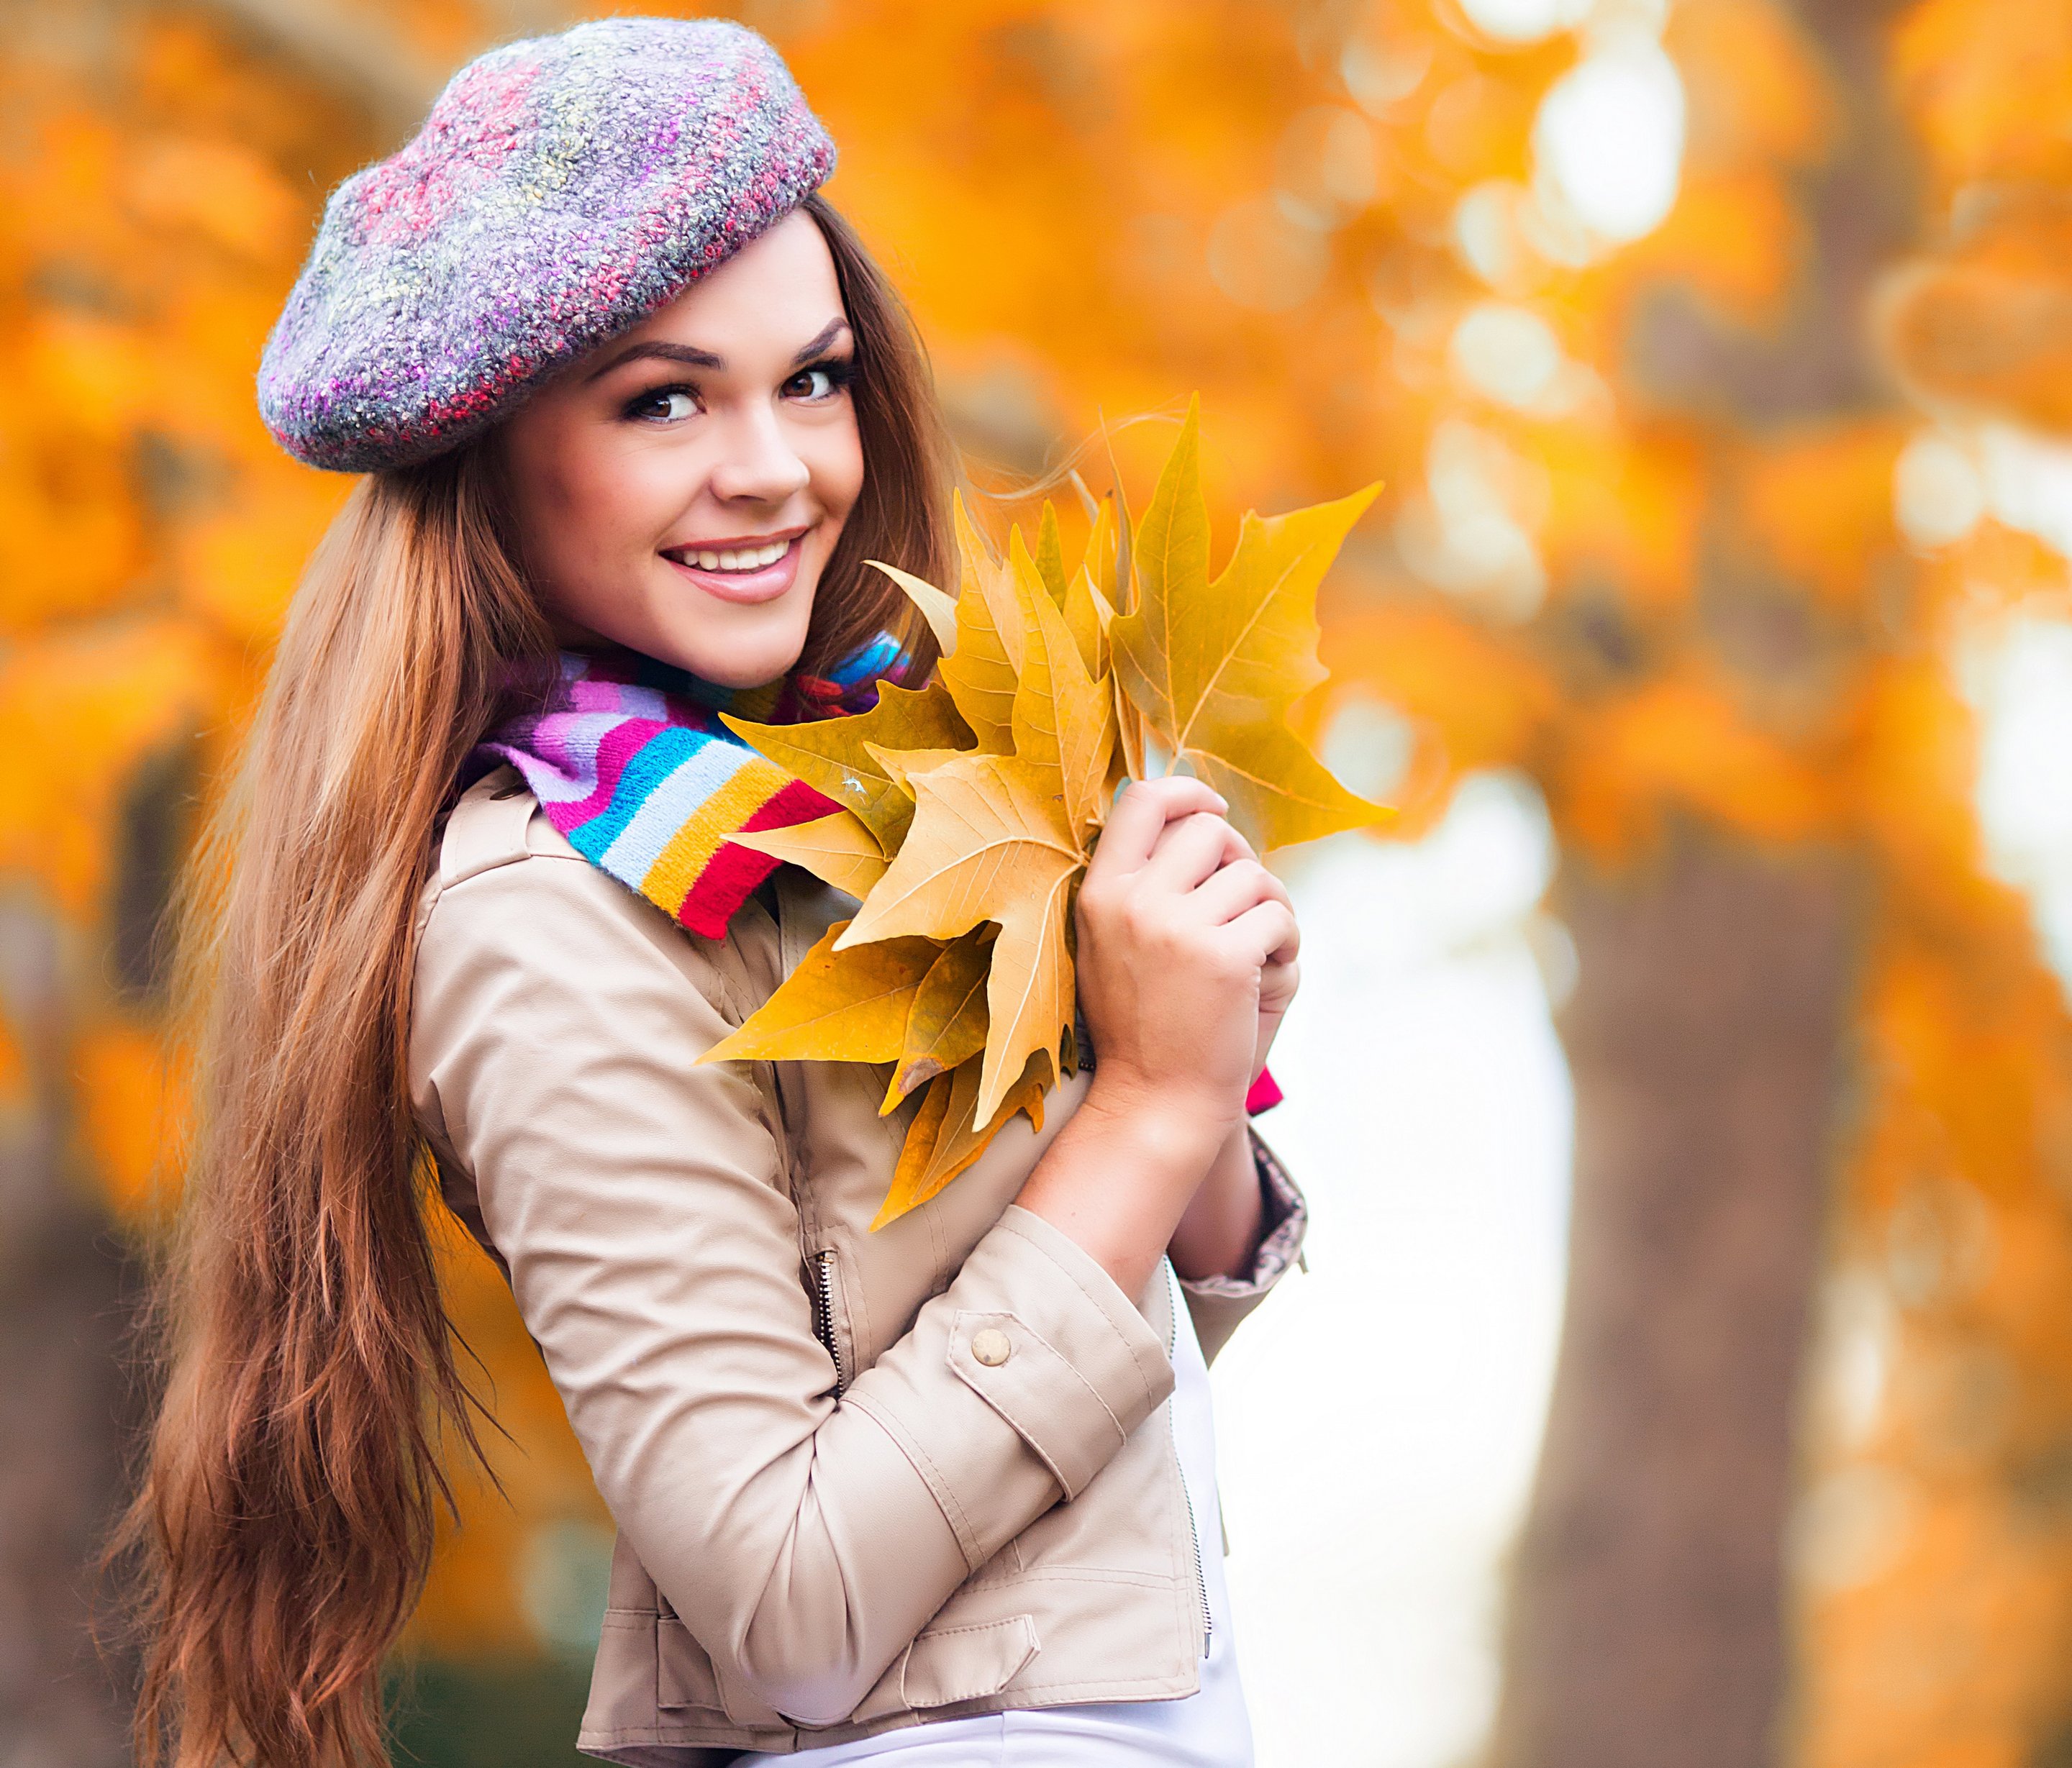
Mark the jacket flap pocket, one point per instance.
(967, 1663)
(683, 1673)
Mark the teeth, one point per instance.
(746, 559)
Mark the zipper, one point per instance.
(1174, 1302)
(824, 1316)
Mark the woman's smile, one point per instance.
(740, 571)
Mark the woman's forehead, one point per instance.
(770, 299)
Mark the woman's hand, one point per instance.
(1186, 963)
(1186, 952)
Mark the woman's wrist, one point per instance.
(1165, 1140)
(1190, 1121)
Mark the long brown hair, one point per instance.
(285, 1520)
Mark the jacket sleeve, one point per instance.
(639, 1204)
(1218, 1305)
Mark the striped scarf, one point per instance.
(630, 762)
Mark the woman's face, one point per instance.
(678, 491)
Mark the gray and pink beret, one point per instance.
(562, 189)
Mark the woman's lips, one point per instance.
(763, 585)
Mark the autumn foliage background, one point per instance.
(1701, 492)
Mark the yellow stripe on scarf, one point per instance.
(679, 866)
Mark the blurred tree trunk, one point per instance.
(1646, 1624)
(67, 1297)
(1704, 1037)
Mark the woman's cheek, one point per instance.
(838, 474)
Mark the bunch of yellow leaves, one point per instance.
(972, 805)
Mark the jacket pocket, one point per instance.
(684, 1675)
(967, 1663)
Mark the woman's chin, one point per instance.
(740, 662)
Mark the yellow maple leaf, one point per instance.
(849, 1003)
(937, 607)
(1063, 717)
(1214, 666)
(902, 765)
(833, 755)
(981, 671)
(839, 849)
(1049, 558)
(990, 841)
(946, 1024)
(947, 1136)
(1089, 614)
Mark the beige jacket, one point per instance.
(835, 1517)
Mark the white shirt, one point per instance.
(1209, 1728)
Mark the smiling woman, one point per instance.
(483, 895)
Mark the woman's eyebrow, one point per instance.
(654, 348)
(826, 336)
(657, 349)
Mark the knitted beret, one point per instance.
(562, 188)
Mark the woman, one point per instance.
(635, 407)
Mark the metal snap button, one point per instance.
(991, 1347)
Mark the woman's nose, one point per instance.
(757, 462)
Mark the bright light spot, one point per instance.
(1509, 354)
(2029, 483)
(1610, 136)
(1379, 79)
(1367, 744)
(1524, 21)
(1326, 167)
(1852, 1358)
(1469, 533)
(1262, 259)
(2020, 678)
(1433, 1293)
(1936, 494)
(1552, 229)
(1487, 233)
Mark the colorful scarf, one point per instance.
(630, 762)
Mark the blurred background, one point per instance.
(1684, 1371)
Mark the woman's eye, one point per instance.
(822, 382)
(665, 405)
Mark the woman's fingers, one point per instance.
(1266, 933)
(1190, 849)
(1239, 885)
(1141, 811)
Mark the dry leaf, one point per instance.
(839, 849)
(980, 674)
(1089, 614)
(1099, 560)
(989, 842)
(1049, 557)
(1214, 666)
(902, 765)
(946, 1024)
(937, 607)
(1063, 715)
(839, 1005)
(833, 755)
(941, 1143)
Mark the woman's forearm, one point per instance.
(1122, 1175)
(1219, 1234)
